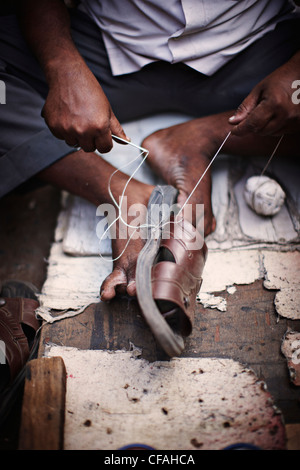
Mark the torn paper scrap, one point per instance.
(231, 289)
(114, 399)
(290, 348)
(212, 301)
(283, 273)
(287, 303)
(223, 269)
(72, 283)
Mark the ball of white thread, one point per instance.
(264, 195)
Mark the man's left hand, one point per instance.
(271, 109)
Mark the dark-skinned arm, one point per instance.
(270, 108)
(76, 109)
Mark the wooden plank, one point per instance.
(43, 409)
(75, 332)
(114, 325)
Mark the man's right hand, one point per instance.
(77, 111)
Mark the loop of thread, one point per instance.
(145, 152)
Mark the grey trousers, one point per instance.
(27, 145)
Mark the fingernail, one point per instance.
(232, 118)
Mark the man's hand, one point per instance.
(269, 108)
(77, 111)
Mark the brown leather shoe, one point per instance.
(18, 326)
(19, 339)
(169, 273)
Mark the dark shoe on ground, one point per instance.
(18, 336)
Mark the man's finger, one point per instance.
(255, 122)
(274, 127)
(245, 108)
(103, 142)
(117, 130)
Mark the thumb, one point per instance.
(245, 108)
(117, 130)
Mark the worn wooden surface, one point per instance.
(293, 436)
(249, 332)
(43, 409)
(28, 221)
(26, 233)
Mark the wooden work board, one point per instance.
(248, 332)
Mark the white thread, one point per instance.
(204, 173)
(119, 206)
(128, 181)
(146, 152)
(263, 194)
(274, 151)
